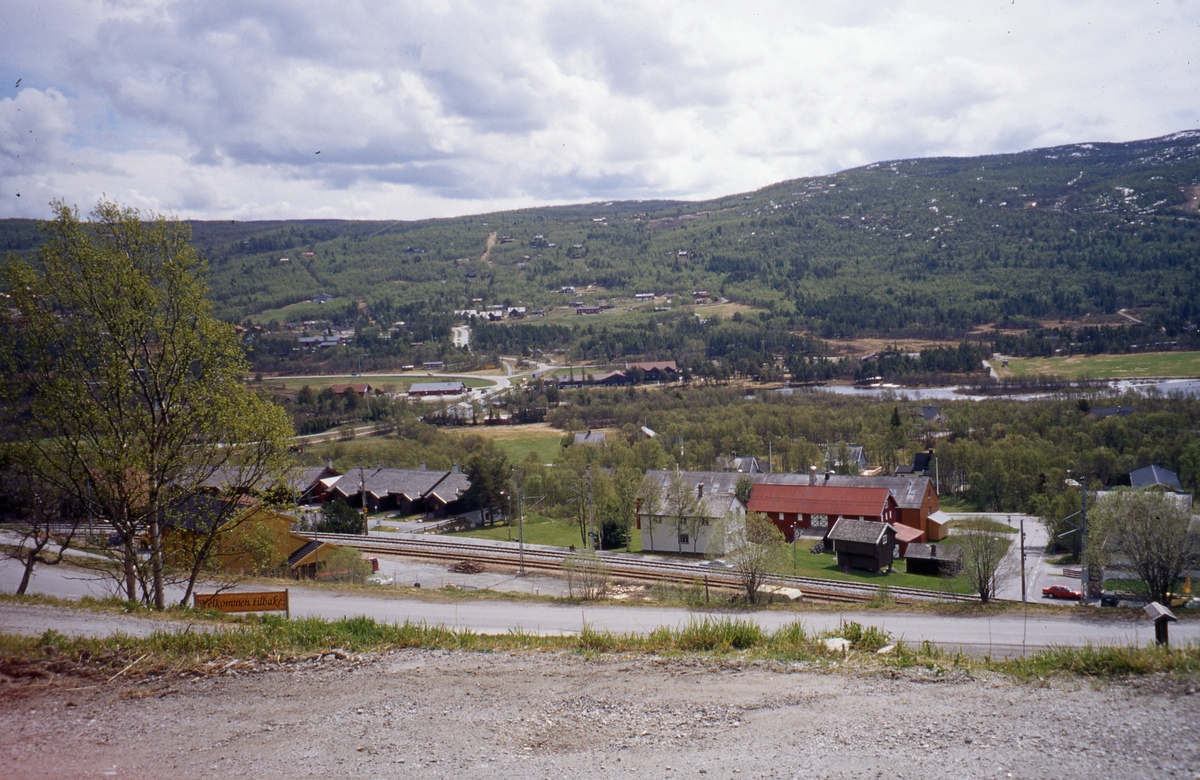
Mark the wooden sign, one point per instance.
(262, 601)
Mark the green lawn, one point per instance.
(540, 530)
(517, 441)
(1150, 364)
(984, 524)
(825, 567)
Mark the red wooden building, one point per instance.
(794, 507)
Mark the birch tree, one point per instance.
(1148, 532)
(121, 388)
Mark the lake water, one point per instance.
(1184, 387)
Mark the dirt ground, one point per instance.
(433, 714)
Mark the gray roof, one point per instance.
(299, 479)
(450, 487)
(933, 552)
(908, 490)
(445, 388)
(714, 482)
(850, 529)
(1154, 475)
(714, 487)
(380, 482)
(591, 437)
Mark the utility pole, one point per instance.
(520, 533)
(591, 513)
(1083, 562)
(362, 496)
(1023, 596)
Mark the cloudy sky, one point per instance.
(403, 109)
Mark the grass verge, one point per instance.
(216, 644)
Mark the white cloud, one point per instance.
(219, 109)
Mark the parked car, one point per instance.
(1109, 599)
(1061, 592)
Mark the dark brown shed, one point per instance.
(863, 544)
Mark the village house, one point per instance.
(406, 491)
(662, 530)
(424, 389)
(656, 371)
(915, 496)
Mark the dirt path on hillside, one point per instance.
(434, 714)
(492, 238)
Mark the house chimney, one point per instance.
(454, 469)
(700, 490)
(933, 551)
(812, 475)
(828, 474)
(422, 465)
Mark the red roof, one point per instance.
(906, 534)
(842, 501)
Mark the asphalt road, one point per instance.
(1007, 635)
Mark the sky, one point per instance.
(370, 109)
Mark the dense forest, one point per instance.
(942, 249)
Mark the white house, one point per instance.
(707, 496)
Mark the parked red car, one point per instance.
(1061, 592)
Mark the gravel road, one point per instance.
(433, 714)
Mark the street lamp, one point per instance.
(1081, 483)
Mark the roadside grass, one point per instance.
(1150, 364)
(1109, 661)
(276, 640)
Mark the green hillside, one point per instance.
(928, 248)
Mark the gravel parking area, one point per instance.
(433, 714)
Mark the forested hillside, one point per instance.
(927, 248)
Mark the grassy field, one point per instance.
(517, 441)
(1150, 364)
(538, 530)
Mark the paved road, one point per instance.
(1007, 635)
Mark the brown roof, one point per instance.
(341, 389)
(660, 365)
(849, 529)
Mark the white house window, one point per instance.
(683, 539)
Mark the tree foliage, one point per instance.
(986, 565)
(1146, 532)
(338, 517)
(753, 546)
(127, 393)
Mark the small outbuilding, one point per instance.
(863, 544)
(938, 560)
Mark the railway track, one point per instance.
(624, 566)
